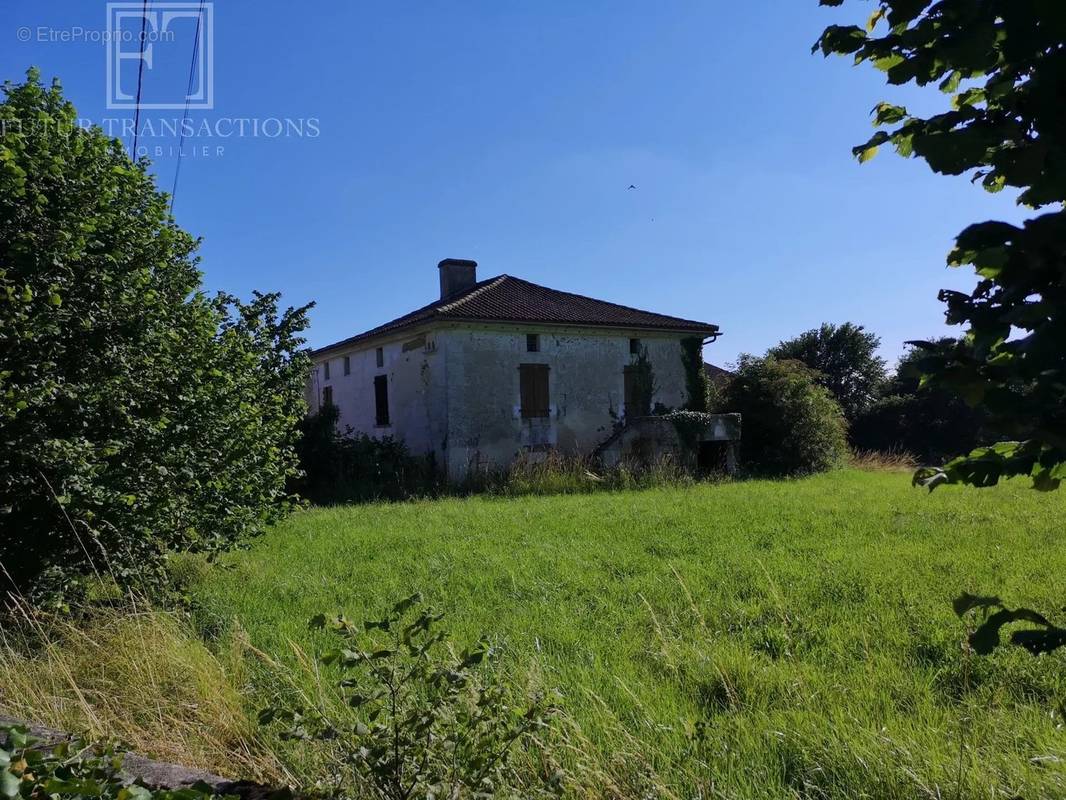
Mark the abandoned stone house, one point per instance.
(502, 366)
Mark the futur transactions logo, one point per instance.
(133, 35)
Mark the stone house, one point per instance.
(502, 366)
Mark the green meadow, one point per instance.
(749, 639)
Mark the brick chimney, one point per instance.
(456, 275)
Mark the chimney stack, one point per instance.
(456, 275)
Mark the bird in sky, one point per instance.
(631, 186)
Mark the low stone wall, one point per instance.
(681, 437)
(159, 774)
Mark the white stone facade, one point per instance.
(454, 387)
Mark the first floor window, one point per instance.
(327, 396)
(381, 399)
(347, 365)
(533, 385)
(634, 347)
(325, 370)
(532, 343)
(380, 356)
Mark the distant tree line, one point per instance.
(809, 398)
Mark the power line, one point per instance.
(140, 79)
(188, 94)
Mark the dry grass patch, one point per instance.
(139, 676)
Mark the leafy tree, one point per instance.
(1003, 64)
(930, 423)
(845, 356)
(137, 415)
(792, 426)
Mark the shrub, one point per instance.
(791, 425)
(844, 359)
(347, 468)
(425, 722)
(137, 415)
(930, 423)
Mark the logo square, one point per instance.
(133, 35)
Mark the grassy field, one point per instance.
(806, 623)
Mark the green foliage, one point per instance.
(346, 468)
(425, 722)
(1003, 63)
(929, 423)
(73, 769)
(792, 426)
(845, 358)
(137, 416)
(697, 384)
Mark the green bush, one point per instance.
(425, 721)
(929, 423)
(137, 415)
(345, 468)
(791, 425)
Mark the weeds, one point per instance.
(137, 675)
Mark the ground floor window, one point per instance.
(327, 396)
(381, 399)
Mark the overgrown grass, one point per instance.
(751, 639)
(140, 676)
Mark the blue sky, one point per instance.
(508, 132)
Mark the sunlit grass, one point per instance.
(804, 627)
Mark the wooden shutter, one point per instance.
(533, 383)
(327, 395)
(381, 399)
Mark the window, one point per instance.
(325, 370)
(381, 398)
(634, 347)
(347, 365)
(636, 391)
(381, 356)
(327, 396)
(533, 383)
(532, 343)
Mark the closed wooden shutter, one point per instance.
(533, 383)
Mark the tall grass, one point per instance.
(137, 675)
(756, 639)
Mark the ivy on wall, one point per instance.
(697, 383)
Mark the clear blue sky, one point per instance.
(508, 132)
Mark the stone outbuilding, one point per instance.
(500, 367)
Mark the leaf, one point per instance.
(9, 784)
(867, 154)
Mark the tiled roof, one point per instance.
(717, 375)
(508, 299)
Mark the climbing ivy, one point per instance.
(696, 381)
